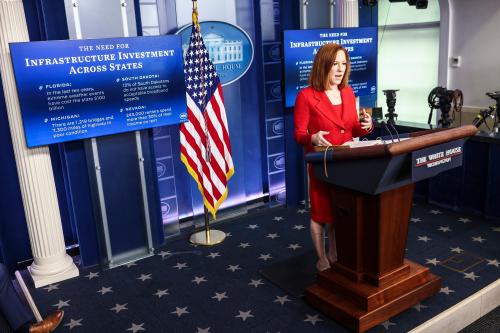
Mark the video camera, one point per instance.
(390, 95)
(483, 115)
(441, 98)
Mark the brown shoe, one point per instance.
(48, 324)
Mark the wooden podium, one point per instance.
(372, 190)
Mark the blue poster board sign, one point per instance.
(76, 89)
(300, 47)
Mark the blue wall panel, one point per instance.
(80, 199)
(115, 152)
(167, 177)
(252, 113)
(269, 13)
(368, 17)
(295, 165)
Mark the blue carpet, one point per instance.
(185, 288)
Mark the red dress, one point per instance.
(314, 112)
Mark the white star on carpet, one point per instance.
(298, 227)
(180, 311)
(161, 292)
(130, 264)
(164, 254)
(424, 238)
(203, 330)
(244, 245)
(105, 290)
(444, 228)
(220, 296)
(478, 239)
(180, 265)
(464, 220)
(471, 276)
(312, 319)
(272, 236)
(213, 255)
(228, 234)
(416, 219)
(278, 218)
(281, 299)
(233, 268)
(244, 315)
(119, 307)
(265, 257)
(256, 283)
(302, 211)
(144, 277)
(432, 261)
(456, 249)
(496, 229)
(199, 280)
(136, 328)
(294, 246)
(92, 275)
(253, 226)
(493, 262)
(435, 211)
(419, 306)
(51, 287)
(62, 304)
(446, 290)
(73, 323)
(387, 324)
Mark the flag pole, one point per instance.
(207, 237)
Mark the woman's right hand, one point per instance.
(318, 139)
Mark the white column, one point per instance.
(51, 263)
(346, 14)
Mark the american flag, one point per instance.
(205, 146)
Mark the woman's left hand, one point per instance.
(366, 122)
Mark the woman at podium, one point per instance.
(325, 114)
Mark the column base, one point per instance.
(43, 280)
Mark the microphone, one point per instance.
(394, 128)
(387, 129)
(482, 115)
